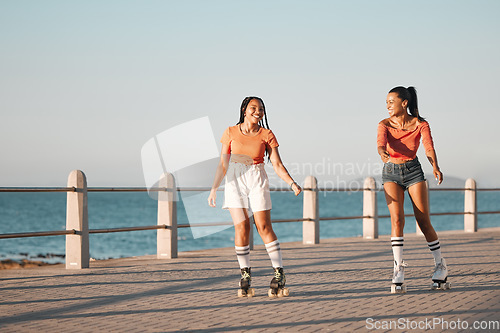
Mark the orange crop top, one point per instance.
(404, 144)
(253, 146)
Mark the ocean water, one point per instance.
(27, 212)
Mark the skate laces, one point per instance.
(245, 275)
(400, 267)
(278, 275)
(439, 267)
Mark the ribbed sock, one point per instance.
(397, 248)
(243, 255)
(274, 252)
(436, 250)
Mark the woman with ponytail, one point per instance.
(398, 139)
(244, 147)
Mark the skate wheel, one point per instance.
(250, 292)
(285, 292)
(271, 293)
(441, 285)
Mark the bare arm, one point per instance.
(219, 174)
(281, 171)
(384, 154)
(432, 157)
(382, 142)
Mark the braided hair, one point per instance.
(409, 94)
(243, 108)
(262, 123)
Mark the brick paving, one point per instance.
(337, 285)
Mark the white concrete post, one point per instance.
(166, 239)
(250, 236)
(370, 224)
(310, 229)
(77, 245)
(470, 206)
(418, 231)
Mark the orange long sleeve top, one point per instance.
(403, 144)
(253, 146)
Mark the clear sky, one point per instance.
(85, 84)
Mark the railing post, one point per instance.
(310, 229)
(250, 236)
(417, 228)
(166, 239)
(370, 209)
(77, 245)
(470, 206)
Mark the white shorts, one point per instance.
(247, 186)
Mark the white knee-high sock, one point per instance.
(274, 252)
(243, 255)
(397, 248)
(436, 250)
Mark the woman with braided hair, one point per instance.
(244, 147)
(398, 139)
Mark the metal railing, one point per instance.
(77, 232)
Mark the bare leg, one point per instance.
(420, 201)
(266, 232)
(264, 226)
(394, 195)
(241, 226)
(241, 242)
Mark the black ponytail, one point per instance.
(409, 94)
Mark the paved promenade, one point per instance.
(337, 285)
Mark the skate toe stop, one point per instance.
(398, 289)
(278, 292)
(440, 285)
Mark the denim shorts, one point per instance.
(405, 175)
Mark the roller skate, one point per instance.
(398, 286)
(440, 276)
(246, 279)
(277, 287)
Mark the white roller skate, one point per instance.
(277, 287)
(398, 286)
(246, 279)
(440, 276)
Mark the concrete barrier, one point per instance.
(310, 229)
(77, 245)
(370, 209)
(167, 247)
(470, 206)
